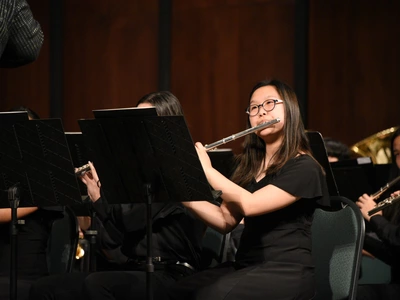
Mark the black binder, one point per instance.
(36, 171)
(319, 152)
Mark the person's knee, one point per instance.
(93, 284)
(42, 289)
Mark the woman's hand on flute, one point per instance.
(367, 203)
(203, 156)
(395, 194)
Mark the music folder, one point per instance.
(222, 159)
(135, 147)
(36, 171)
(35, 154)
(318, 149)
(354, 177)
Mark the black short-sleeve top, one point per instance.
(285, 235)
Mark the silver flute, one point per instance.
(383, 204)
(240, 134)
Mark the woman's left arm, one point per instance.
(5, 213)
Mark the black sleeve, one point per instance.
(20, 34)
(386, 231)
(111, 219)
(388, 247)
(378, 249)
(303, 177)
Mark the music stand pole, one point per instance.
(13, 197)
(92, 233)
(149, 260)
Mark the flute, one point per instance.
(383, 204)
(240, 134)
(79, 171)
(385, 188)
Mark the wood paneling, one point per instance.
(354, 67)
(219, 51)
(110, 55)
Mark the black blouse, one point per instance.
(285, 235)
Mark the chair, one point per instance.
(337, 240)
(214, 248)
(62, 244)
(374, 271)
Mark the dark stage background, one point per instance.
(341, 56)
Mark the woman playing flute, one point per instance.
(275, 188)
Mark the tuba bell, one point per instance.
(376, 146)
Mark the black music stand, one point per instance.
(222, 160)
(354, 177)
(318, 149)
(144, 158)
(36, 170)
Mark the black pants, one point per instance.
(22, 288)
(269, 280)
(378, 292)
(108, 285)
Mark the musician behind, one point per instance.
(386, 224)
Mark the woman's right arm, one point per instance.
(5, 213)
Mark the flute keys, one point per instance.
(81, 170)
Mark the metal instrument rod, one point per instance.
(240, 134)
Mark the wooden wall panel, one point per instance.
(220, 49)
(354, 69)
(110, 55)
(29, 85)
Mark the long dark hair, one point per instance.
(294, 138)
(392, 212)
(395, 170)
(165, 102)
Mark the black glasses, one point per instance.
(267, 105)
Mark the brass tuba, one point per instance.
(376, 146)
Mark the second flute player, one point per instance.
(386, 224)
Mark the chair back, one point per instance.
(337, 240)
(62, 244)
(214, 248)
